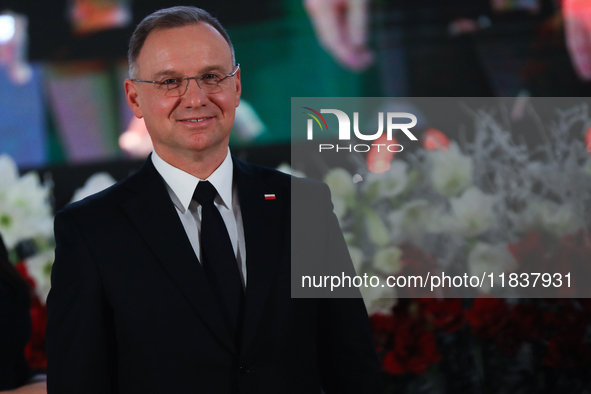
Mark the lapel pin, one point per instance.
(269, 197)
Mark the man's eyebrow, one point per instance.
(166, 73)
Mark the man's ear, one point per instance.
(132, 96)
(238, 87)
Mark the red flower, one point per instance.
(509, 340)
(415, 348)
(382, 327)
(564, 351)
(488, 316)
(531, 253)
(381, 323)
(568, 320)
(379, 158)
(22, 269)
(416, 263)
(528, 321)
(35, 349)
(574, 256)
(434, 139)
(444, 314)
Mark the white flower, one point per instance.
(96, 183)
(12, 225)
(379, 299)
(387, 261)
(340, 182)
(376, 229)
(485, 259)
(563, 221)
(451, 170)
(357, 257)
(557, 219)
(286, 169)
(412, 220)
(24, 205)
(388, 184)
(472, 213)
(39, 267)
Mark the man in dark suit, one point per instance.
(177, 279)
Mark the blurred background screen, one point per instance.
(63, 63)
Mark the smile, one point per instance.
(195, 120)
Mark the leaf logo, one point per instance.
(316, 118)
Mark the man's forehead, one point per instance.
(194, 42)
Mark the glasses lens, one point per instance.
(208, 85)
(175, 88)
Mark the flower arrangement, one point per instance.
(493, 206)
(25, 212)
(26, 225)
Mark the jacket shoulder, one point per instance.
(103, 200)
(278, 178)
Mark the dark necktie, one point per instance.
(218, 259)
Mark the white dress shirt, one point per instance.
(181, 186)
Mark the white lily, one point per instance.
(388, 184)
(472, 213)
(485, 259)
(451, 171)
(387, 261)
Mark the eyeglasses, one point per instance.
(210, 83)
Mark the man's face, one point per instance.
(189, 51)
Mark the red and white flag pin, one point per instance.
(270, 197)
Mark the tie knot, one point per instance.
(205, 193)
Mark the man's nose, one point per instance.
(194, 93)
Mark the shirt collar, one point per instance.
(182, 184)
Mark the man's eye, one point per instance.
(211, 79)
(171, 81)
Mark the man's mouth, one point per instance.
(195, 120)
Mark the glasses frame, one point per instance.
(188, 79)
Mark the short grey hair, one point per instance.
(169, 18)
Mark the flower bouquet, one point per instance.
(492, 207)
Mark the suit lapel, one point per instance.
(263, 225)
(153, 214)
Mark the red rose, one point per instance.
(488, 316)
(382, 327)
(378, 160)
(35, 350)
(567, 320)
(415, 348)
(444, 314)
(574, 256)
(381, 323)
(415, 262)
(22, 269)
(528, 320)
(564, 351)
(531, 253)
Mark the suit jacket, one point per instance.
(130, 310)
(15, 330)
